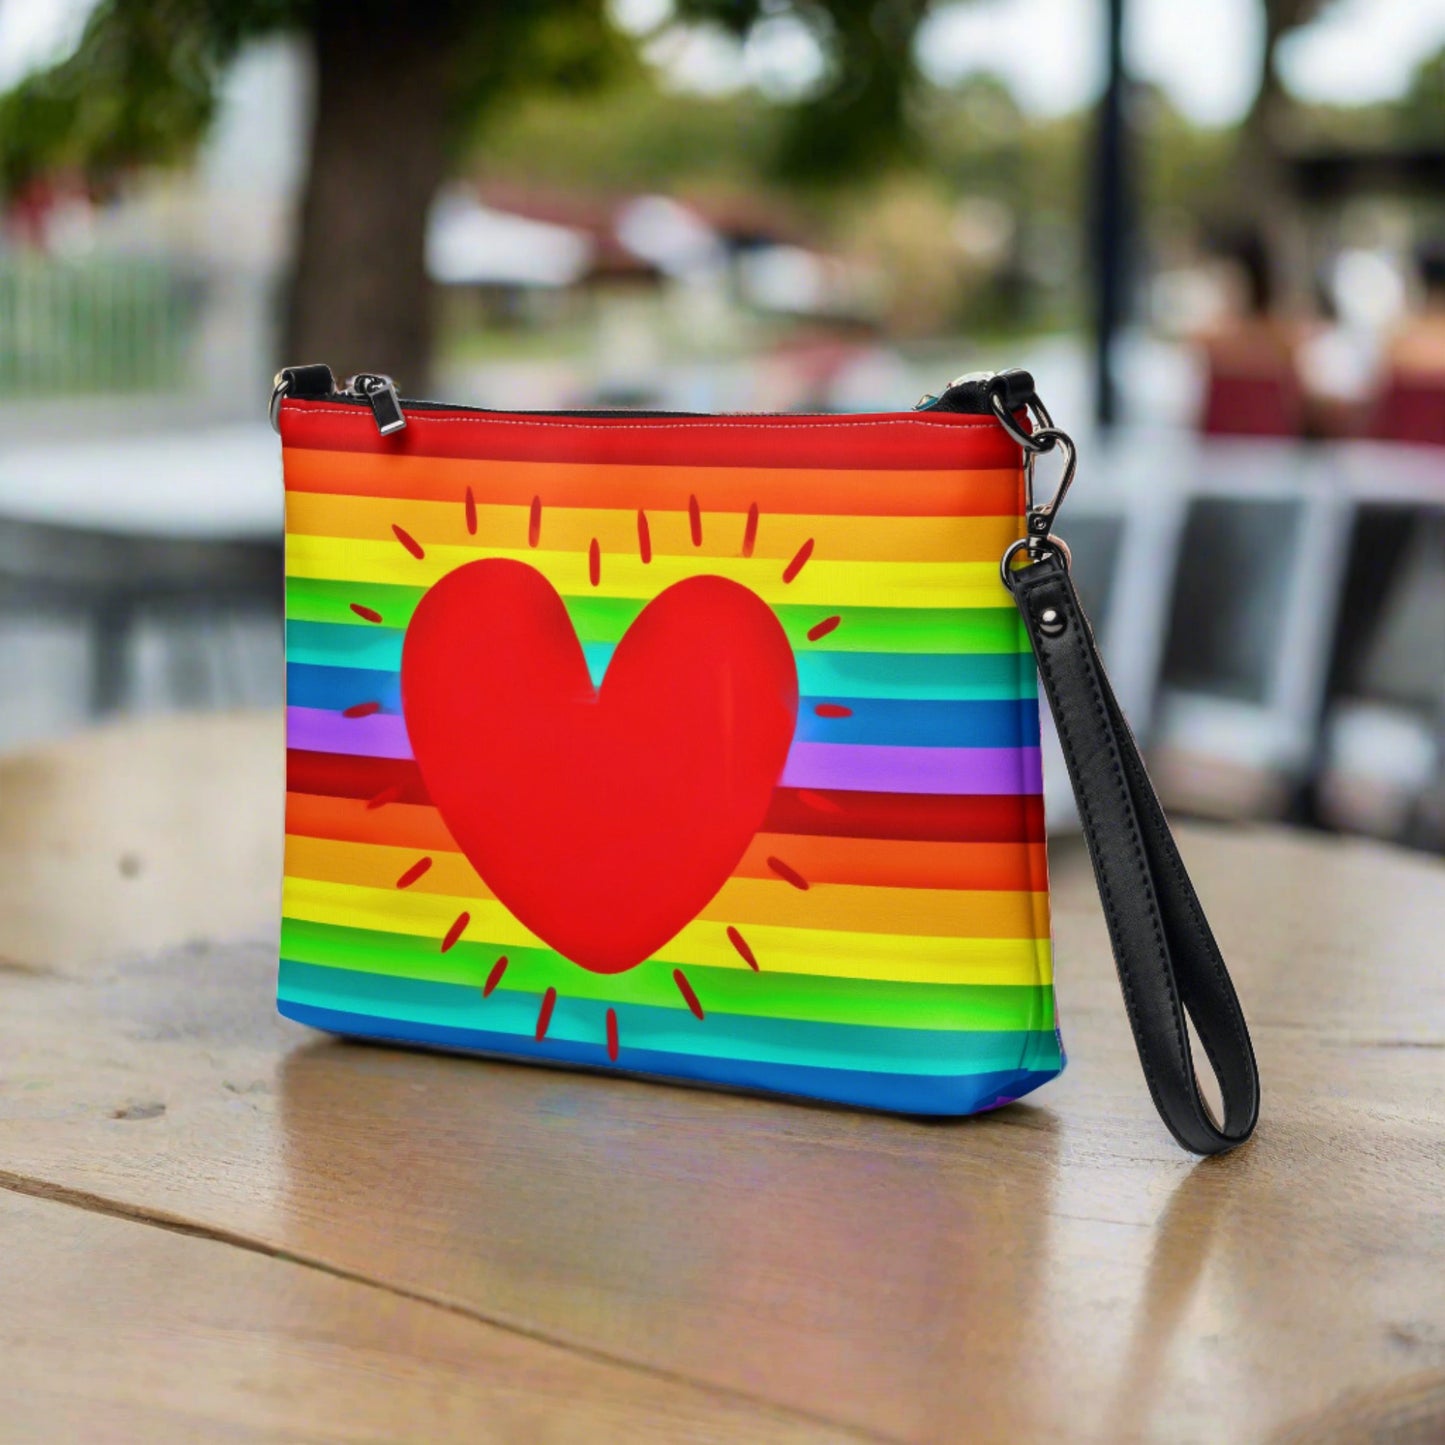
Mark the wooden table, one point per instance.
(218, 1225)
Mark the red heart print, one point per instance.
(604, 818)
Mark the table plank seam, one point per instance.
(87, 1201)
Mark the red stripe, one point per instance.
(923, 817)
(334, 775)
(903, 440)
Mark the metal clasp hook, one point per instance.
(1038, 540)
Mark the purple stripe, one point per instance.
(859, 768)
(849, 767)
(319, 730)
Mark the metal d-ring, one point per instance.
(1036, 552)
(279, 389)
(1038, 415)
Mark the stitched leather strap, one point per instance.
(1167, 958)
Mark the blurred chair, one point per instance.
(94, 624)
(1249, 628)
(1381, 761)
(138, 573)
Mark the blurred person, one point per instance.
(1339, 367)
(1411, 403)
(1252, 354)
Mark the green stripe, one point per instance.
(605, 619)
(942, 1007)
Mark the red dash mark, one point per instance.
(750, 532)
(685, 989)
(385, 796)
(495, 976)
(741, 944)
(471, 513)
(800, 559)
(612, 1034)
(361, 709)
(644, 538)
(594, 562)
(416, 870)
(534, 523)
(544, 1016)
(823, 628)
(694, 521)
(832, 709)
(409, 542)
(367, 614)
(787, 874)
(818, 801)
(456, 930)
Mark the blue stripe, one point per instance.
(917, 675)
(897, 1093)
(889, 722)
(512, 1014)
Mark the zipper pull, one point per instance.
(973, 393)
(380, 392)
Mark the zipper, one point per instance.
(378, 391)
(969, 395)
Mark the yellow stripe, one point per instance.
(842, 907)
(705, 943)
(821, 583)
(571, 529)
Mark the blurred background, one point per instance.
(1213, 229)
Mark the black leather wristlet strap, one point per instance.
(1167, 958)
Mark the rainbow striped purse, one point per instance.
(704, 748)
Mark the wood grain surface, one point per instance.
(218, 1225)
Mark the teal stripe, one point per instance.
(718, 1036)
(922, 676)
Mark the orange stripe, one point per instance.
(810, 492)
(829, 908)
(886, 863)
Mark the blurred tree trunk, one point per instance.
(360, 298)
(1263, 192)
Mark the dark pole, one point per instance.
(1110, 221)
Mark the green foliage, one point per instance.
(509, 52)
(1422, 111)
(856, 123)
(630, 136)
(141, 86)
